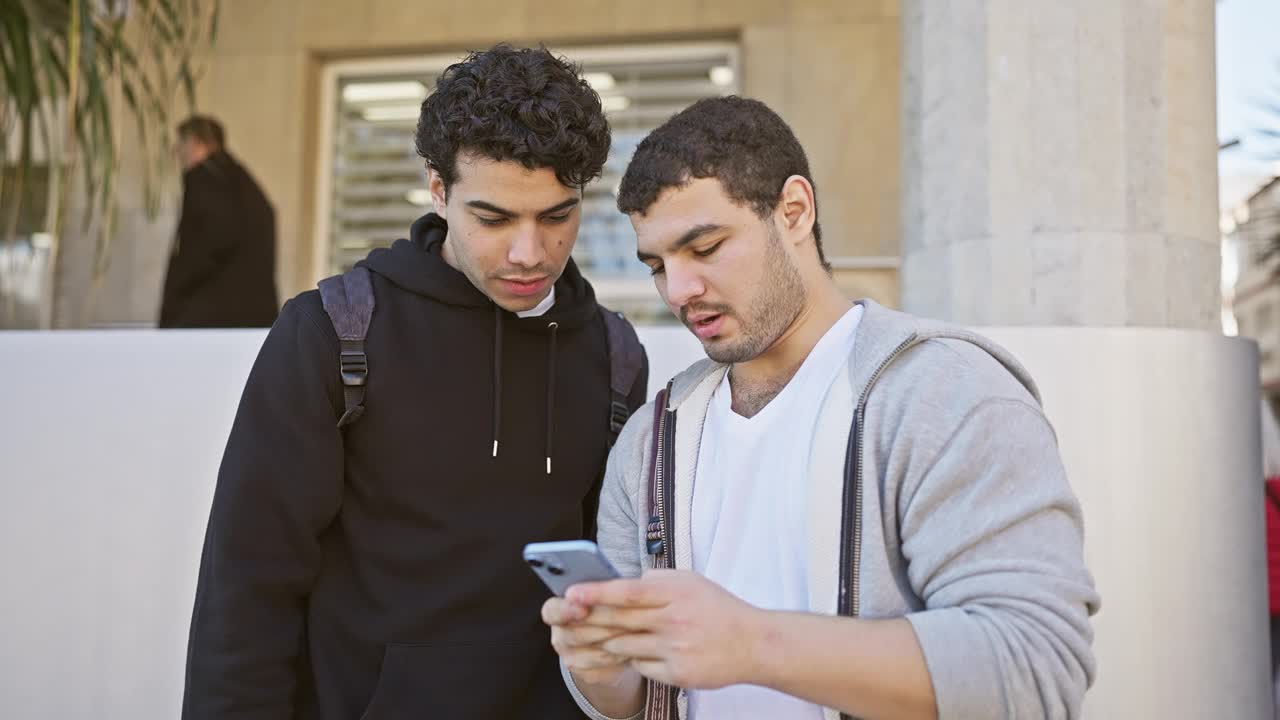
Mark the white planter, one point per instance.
(110, 443)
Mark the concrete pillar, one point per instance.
(1060, 162)
(1059, 180)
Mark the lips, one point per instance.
(705, 325)
(525, 287)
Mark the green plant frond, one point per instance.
(95, 63)
(188, 82)
(170, 15)
(213, 23)
(46, 14)
(88, 38)
(21, 80)
(166, 32)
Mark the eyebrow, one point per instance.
(689, 236)
(489, 207)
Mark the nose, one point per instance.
(527, 249)
(683, 284)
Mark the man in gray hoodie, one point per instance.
(844, 510)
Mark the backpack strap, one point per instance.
(348, 300)
(662, 700)
(626, 360)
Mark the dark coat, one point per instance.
(222, 271)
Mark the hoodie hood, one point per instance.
(418, 266)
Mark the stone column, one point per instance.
(1060, 187)
(1060, 162)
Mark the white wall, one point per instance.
(110, 442)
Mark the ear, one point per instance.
(797, 210)
(439, 193)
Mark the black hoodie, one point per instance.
(375, 572)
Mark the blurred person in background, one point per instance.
(223, 267)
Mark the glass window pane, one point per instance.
(379, 183)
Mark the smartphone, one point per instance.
(568, 562)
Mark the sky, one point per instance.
(1248, 50)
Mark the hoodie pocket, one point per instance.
(494, 679)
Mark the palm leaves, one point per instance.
(68, 70)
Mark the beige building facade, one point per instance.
(831, 68)
(1038, 163)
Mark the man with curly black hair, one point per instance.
(362, 558)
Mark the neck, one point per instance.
(446, 253)
(756, 381)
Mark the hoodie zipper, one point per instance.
(668, 502)
(851, 525)
(662, 501)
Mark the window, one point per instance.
(375, 186)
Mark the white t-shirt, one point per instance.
(750, 501)
(541, 308)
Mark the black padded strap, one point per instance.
(348, 300)
(626, 360)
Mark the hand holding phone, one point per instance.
(560, 565)
(565, 563)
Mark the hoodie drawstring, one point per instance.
(497, 383)
(551, 391)
(497, 376)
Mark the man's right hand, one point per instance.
(607, 681)
(578, 644)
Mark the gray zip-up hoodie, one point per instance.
(962, 517)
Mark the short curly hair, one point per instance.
(521, 104)
(740, 142)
